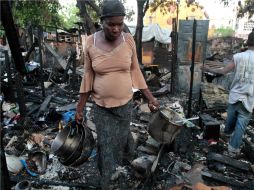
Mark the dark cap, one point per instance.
(250, 41)
(112, 8)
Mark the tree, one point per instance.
(246, 8)
(90, 12)
(40, 13)
(163, 5)
(224, 32)
(143, 6)
(85, 7)
(68, 16)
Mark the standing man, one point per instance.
(241, 95)
(111, 70)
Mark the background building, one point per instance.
(174, 10)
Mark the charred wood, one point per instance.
(229, 161)
(40, 182)
(44, 105)
(222, 178)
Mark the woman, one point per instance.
(111, 72)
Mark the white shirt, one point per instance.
(242, 87)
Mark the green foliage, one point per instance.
(68, 16)
(245, 8)
(51, 13)
(92, 13)
(129, 14)
(2, 33)
(162, 5)
(44, 13)
(224, 32)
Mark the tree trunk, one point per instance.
(139, 28)
(88, 23)
(12, 36)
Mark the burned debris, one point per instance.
(43, 149)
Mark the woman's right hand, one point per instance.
(80, 107)
(79, 117)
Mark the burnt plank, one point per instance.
(222, 178)
(88, 185)
(34, 108)
(229, 161)
(33, 96)
(44, 105)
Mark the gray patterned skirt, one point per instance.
(113, 138)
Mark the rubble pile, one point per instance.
(224, 47)
(171, 151)
(192, 157)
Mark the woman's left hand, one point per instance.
(153, 104)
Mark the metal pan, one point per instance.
(87, 147)
(66, 141)
(76, 150)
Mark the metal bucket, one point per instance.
(163, 127)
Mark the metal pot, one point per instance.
(87, 147)
(59, 140)
(76, 152)
(67, 140)
(163, 127)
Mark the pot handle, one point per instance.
(73, 127)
